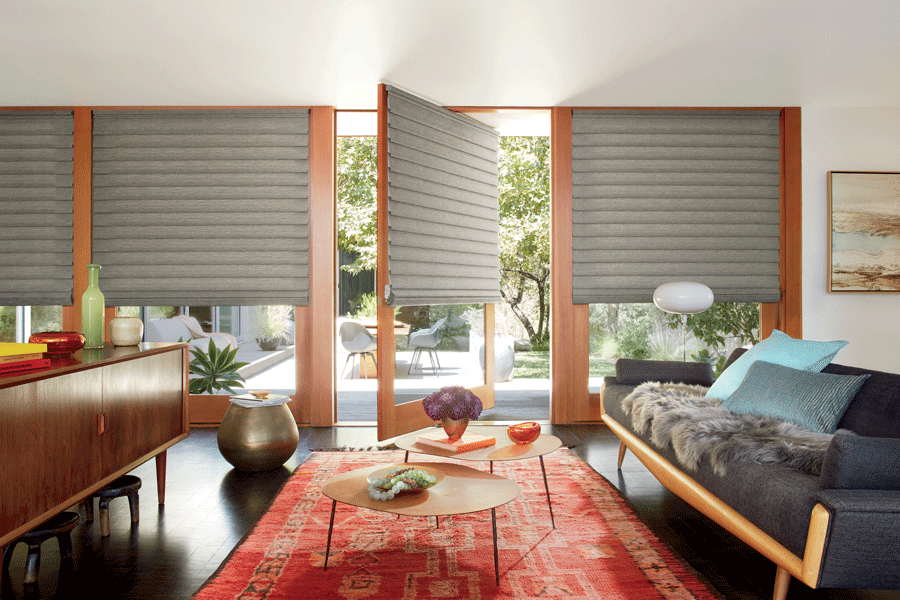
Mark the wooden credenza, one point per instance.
(67, 430)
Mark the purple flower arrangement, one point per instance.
(452, 402)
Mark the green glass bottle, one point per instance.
(93, 305)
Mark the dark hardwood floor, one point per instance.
(210, 507)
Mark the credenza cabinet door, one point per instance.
(142, 408)
(49, 444)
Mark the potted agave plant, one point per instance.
(215, 370)
(453, 406)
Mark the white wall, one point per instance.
(846, 139)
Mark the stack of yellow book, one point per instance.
(22, 357)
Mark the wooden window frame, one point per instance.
(570, 400)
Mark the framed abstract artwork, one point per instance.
(864, 231)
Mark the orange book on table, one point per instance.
(469, 441)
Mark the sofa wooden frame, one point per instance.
(807, 569)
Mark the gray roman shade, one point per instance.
(443, 202)
(660, 196)
(36, 177)
(201, 207)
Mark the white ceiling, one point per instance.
(454, 52)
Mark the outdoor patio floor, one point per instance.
(515, 400)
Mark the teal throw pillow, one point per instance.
(816, 401)
(781, 349)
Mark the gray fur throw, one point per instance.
(698, 427)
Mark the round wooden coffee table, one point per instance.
(462, 490)
(504, 449)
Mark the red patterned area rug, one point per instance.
(599, 549)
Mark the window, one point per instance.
(17, 323)
(643, 331)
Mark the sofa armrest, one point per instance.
(863, 535)
(855, 462)
(860, 501)
(631, 371)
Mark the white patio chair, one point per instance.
(357, 340)
(426, 339)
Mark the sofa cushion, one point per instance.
(631, 371)
(781, 349)
(855, 462)
(816, 401)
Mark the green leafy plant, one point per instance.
(365, 306)
(715, 326)
(215, 369)
(633, 338)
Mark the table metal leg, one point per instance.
(496, 556)
(547, 488)
(406, 460)
(330, 527)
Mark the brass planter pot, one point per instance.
(455, 428)
(259, 438)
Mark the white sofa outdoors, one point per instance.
(186, 329)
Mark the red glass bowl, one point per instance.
(524, 433)
(59, 343)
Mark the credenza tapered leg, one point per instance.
(161, 477)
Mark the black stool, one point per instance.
(126, 485)
(57, 526)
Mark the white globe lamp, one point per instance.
(683, 298)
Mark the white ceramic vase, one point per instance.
(126, 331)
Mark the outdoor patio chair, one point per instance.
(357, 340)
(426, 339)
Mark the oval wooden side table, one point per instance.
(258, 438)
(462, 490)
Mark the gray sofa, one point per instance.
(837, 529)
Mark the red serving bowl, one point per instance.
(524, 433)
(59, 342)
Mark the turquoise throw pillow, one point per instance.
(781, 349)
(816, 401)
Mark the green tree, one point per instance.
(524, 220)
(525, 231)
(357, 229)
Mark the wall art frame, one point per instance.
(863, 231)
